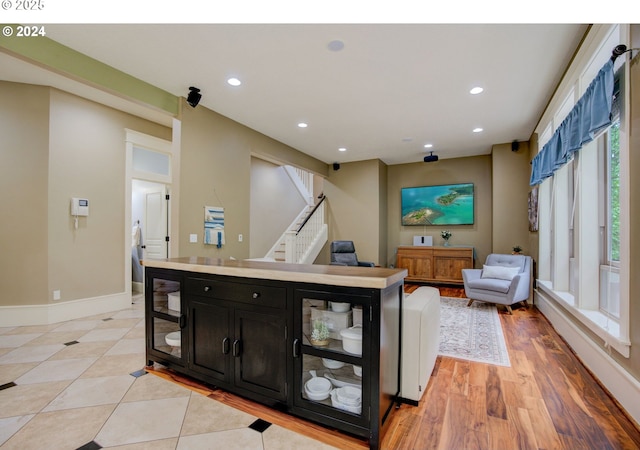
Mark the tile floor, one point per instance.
(80, 385)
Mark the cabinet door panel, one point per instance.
(260, 353)
(211, 339)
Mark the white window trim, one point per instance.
(608, 330)
(615, 335)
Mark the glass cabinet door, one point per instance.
(330, 359)
(165, 318)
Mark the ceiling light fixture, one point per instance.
(476, 90)
(194, 96)
(336, 45)
(234, 81)
(302, 125)
(342, 149)
(428, 145)
(477, 130)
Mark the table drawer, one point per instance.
(255, 294)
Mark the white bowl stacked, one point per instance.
(317, 388)
(347, 398)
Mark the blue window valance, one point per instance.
(591, 114)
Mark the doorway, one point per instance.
(150, 228)
(150, 163)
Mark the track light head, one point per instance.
(194, 96)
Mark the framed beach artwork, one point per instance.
(448, 204)
(214, 226)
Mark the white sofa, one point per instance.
(420, 341)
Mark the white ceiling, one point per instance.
(392, 89)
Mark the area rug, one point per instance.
(473, 333)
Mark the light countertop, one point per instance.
(366, 277)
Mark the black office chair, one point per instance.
(343, 253)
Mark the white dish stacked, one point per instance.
(347, 398)
(317, 388)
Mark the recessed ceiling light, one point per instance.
(407, 139)
(477, 130)
(476, 90)
(302, 125)
(428, 145)
(234, 81)
(342, 149)
(335, 45)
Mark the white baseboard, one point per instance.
(22, 315)
(615, 378)
(137, 287)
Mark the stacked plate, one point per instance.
(317, 388)
(347, 398)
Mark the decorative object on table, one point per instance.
(214, 226)
(473, 334)
(517, 250)
(446, 235)
(320, 333)
(352, 340)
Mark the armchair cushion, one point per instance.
(490, 284)
(500, 272)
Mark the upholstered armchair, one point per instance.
(504, 280)
(343, 253)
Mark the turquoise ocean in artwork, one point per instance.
(459, 212)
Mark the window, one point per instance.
(581, 246)
(609, 268)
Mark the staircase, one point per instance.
(307, 234)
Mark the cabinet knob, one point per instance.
(207, 288)
(256, 295)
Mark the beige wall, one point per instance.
(24, 163)
(60, 146)
(275, 203)
(476, 170)
(354, 208)
(510, 188)
(215, 170)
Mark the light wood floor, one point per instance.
(545, 400)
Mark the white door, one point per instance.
(155, 231)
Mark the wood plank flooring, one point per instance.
(545, 400)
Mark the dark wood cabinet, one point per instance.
(252, 336)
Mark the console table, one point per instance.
(435, 264)
(246, 326)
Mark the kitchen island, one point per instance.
(252, 328)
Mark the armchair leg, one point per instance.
(509, 309)
(470, 302)
(526, 305)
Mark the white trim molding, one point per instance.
(50, 313)
(623, 386)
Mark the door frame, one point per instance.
(172, 149)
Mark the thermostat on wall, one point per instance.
(79, 207)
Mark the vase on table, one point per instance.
(446, 243)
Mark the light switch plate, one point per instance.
(193, 238)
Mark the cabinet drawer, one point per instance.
(255, 294)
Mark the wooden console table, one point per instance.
(435, 264)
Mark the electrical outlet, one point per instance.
(56, 294)
(239, 238)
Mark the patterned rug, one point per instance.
(473, 333)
